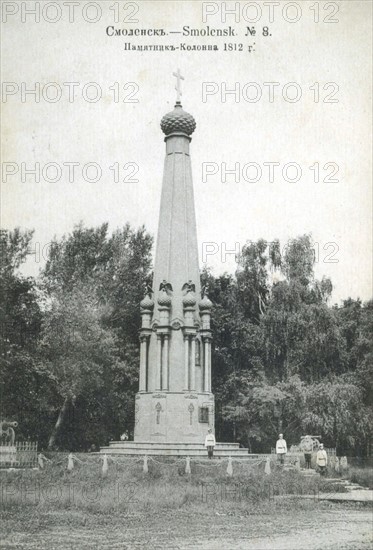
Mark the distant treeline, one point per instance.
(284, 359)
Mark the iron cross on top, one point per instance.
(178, 84)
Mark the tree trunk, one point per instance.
(60, 420)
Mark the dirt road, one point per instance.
(337, 532)
(317, 528)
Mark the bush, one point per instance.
(362, 476)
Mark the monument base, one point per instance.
(222, 450)
(166, 417)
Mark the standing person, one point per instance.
(210, 443)
(307, 445)
(281, 449)
(322, 459)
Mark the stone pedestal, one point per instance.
(163, 417)
(196, 450)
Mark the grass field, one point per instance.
(166, 508)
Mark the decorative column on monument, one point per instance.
(205, 306)
(174, 403)
(146, 310)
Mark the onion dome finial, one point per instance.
(189, 299)
(205, 303)
(178, 120)
(164, 300)
(147, 302)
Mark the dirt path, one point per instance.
(341, 533)
(334, 529)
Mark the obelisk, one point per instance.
(174, 403)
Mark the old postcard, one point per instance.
(186, 266)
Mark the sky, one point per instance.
(318, 120)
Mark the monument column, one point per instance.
(186, 362)
(143, 342)
(206, 365)
(158, 384)
(209, 388)
(178, 315)
(165, 362)
(146, 309)
(205, 312)
(193, 364)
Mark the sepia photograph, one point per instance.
(186, 299)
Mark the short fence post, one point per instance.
(187, 465)
(105, 465)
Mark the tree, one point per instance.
(115, 266)
(298, 260)
(301, 333)
(335, 410)
(76, 349)
(106, 275)
(262, 411)
(252, 279)
(23, 386)
(19, 311)
(350, 318)
(284, 360)
(274, 353)
(236, 350)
